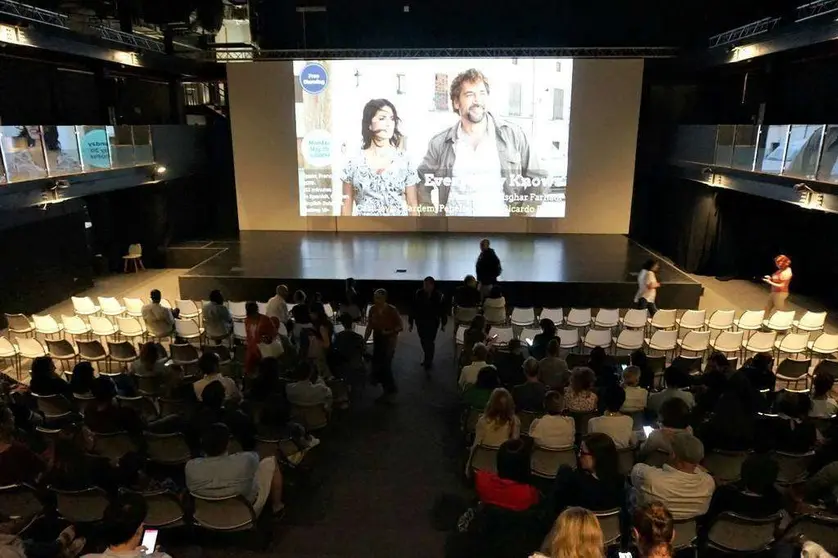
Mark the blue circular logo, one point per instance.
(313, 78)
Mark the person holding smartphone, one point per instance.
(124, 531)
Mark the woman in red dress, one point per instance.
(259, 328)
(779, 282)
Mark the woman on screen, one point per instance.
(380, 180)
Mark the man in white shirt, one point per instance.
(208, 364)
(277, 306)
(681, 485)
(123, 528)
(218, 322)
(553, 430)
(614, 423)
(647, 287)
(159, 320)
(468, 376)
(308, 389)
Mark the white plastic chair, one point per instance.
(721, 320)
(522, 317)
(188, 309)
(237, 310)
(495, 315)
(188, 329)
(695, 341)
(663, 319)
(607, 318)
(361, 330)
(579, 317)
(811, 321)
(792, 343)
(780, 320)
(825, 345)
(528, 333)
(83, 306)
(750, 320)
(597, 338)
(30, 348)
(460, 335)
(629, 339)
(102, 327)
(46, 325)
(111, 306)
(635, 318)
(75, 326)
(691, 320)
(164, 302)
(263, 307)
(504, 335)
(134, 307)
(556, 315)
(130, 327)
(663, 340)
(568, 338)
(728, 341)
(9, 351)
(239, 331)
(761, 342)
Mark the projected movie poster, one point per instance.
(433, 137)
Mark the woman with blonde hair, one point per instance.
(497, 424)
(576, 534)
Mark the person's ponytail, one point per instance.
(654, 528)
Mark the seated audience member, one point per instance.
(477, 332)
(498, 423)
(752, 496)
(82, 379)
(821, 489)
(123, 528)
(823, 405)
(149, 363)
(576, 534)
(18, 463)
(529, 396)
(712, 383)
(208, 364)
(221, 474)
(468, 375)
(104, 416)
(677, 380)
(212, 411)
(45, 381)
(605, 369)
(217, 320)
(71, 468)
(614, 423)
(760, 372)
(552, 369)
(494, 305)
(307, 388)
(131, 474)
(653, 531)
(467, 295)
(159, 320)
(477, 395)
(647, 375)
(510, 364)
(553, 430)
(732, 425)
(579, 397)
(597, 483)
(509, 488)
(267, 381)
(681, 485)
(674, 418)
(791, 430)
(636, 396)
(538, 348)
(277, 307)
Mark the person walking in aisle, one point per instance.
(779, 282)
(428, 313)
(384, 323)
(488, 268)
(647, 287)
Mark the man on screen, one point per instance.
(482, 166)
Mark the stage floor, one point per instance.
(591, 270)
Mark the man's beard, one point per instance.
(476, 118)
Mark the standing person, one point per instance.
(779, 282)
(384, 323)
(259, 329)
(429, 313)
(277, 307)
(381, 180)
(647, 287)
(488, 268)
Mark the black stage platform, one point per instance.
(598, 271)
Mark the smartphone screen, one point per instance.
(149, 541)
(624, 369)
(647, 430)
(624, 555)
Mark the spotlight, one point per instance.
(160, 169)
(808, 197)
